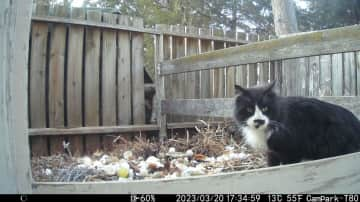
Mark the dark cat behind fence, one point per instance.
(292, 129)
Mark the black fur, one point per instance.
(302, 128)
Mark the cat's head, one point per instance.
(255, 106)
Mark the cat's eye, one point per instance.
(264, 109)
(249, 109)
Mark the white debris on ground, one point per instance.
(202, 154)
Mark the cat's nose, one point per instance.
(259, 122)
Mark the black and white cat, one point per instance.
(292, 129)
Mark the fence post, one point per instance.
(160, 85)
(15, 168)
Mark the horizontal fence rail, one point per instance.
(330, 41)
(223, 107)
(63, 20)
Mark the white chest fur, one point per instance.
(256, 138)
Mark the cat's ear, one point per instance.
(270, 87)
(239, 90)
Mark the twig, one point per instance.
(66, 147)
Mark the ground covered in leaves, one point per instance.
(209, 150)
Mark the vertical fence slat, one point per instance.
(314, 72)
(74, 80)
(358, 73)
(91, 77)
(37, 75)
(138, 98)
(124, 74)
(108, 78)
(219, 74)
(56, 79)
(337, 74)
(325, 75)
(192, 79)
(263, 67)
(278, 76)
(178, 80)
(205, 46)
(252, 74)
(230, 72)
(241, 70)
(349, 74)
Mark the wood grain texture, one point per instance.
(178, 50)
(15, 166)
(314, 76)
(91, 80)
(108, 80)
(124, 74)
(224, 107)
(191, 79)
(51, 19)
(358, 72)
(75, 80)
(137, 72)
(219, 75)
(57, 79)
(205, 88)
(91, 130)
(343, 39)
(252, 74)
(325, 75)
(349, 74)
(337, 74)
(335, 175)
(38, 62)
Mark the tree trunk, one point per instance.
(15, 172)
(284, 17)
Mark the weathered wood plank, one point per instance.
(91, 80)
(177, 50)
(358, 73)
(38, 62)
(15, 167)
(108, 80)
(137, 74)
(205, 88)
(230, 81)
(343, 39)
(337, 74)
(160, 86)
(325, 75)
(314, 76)
(253, 76)
(219, 75)
(223, 107)
(52, 19)
(263, 72)
(75, 80)
(124, 74)
(56, 79)
(335, 175)
(241, 75)
(90, 130)
(278, 77)
(192, 79)
(349, 74)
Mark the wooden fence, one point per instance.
(199, 84)
(324, 63)
(336, 74)
(81, 76)
(86, 76)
